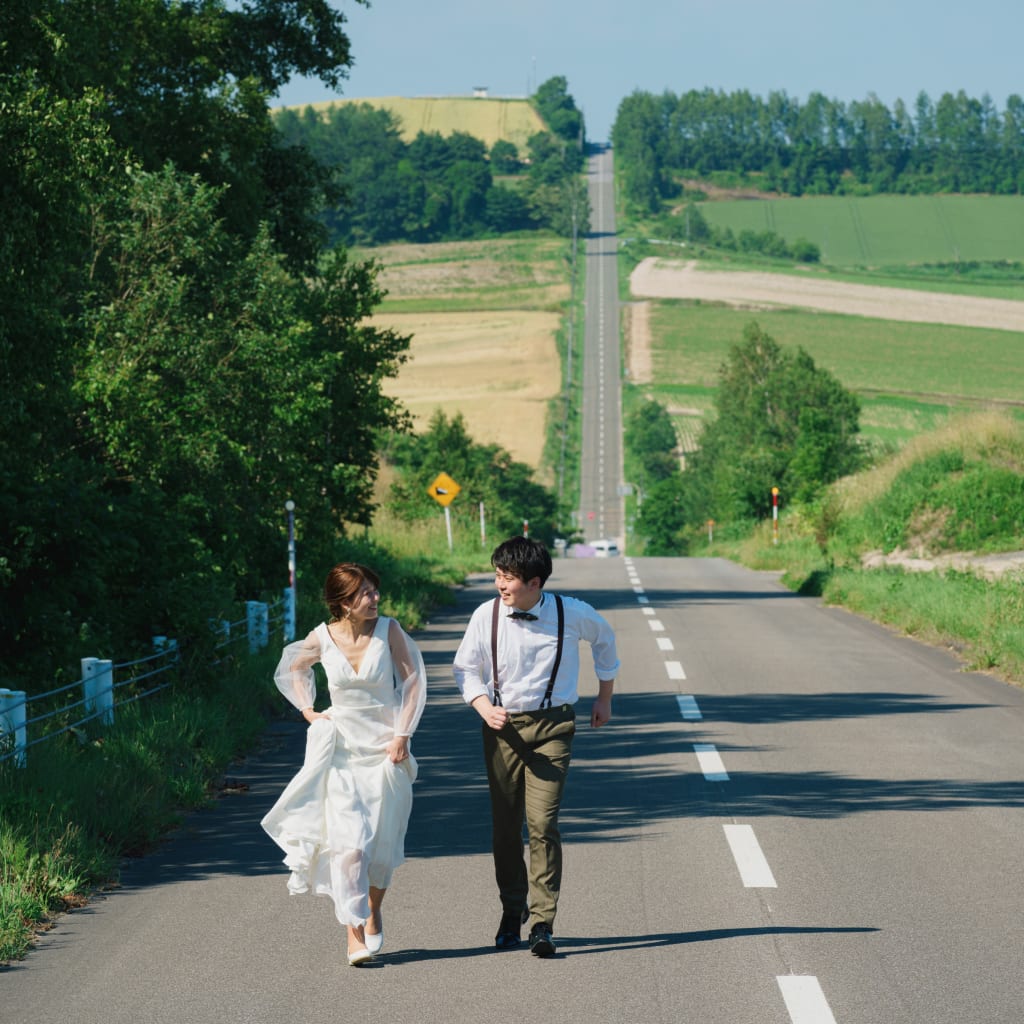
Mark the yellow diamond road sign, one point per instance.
(443, 489)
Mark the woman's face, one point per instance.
(364, 604)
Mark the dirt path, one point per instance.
(678, 279)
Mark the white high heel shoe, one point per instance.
(375, 943)
(358, 957)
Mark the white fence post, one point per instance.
(98, 688)
(257, 617)
(12, 722)
(289, 614)
(163, 644)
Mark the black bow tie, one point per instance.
(528, 616)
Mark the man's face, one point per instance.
(514, 592)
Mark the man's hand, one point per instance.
(493, 714)
(601, 712)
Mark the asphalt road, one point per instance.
(601, 507)
(836, 837)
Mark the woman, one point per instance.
(341, 821)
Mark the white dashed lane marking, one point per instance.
(805, 1000)
(746, 851)
(710, 762)
(688, 708)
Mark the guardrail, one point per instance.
(105, 684)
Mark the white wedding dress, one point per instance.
(342, 819)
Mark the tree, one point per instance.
(188, 82)
(780, 421)
(651, 438)
(559, 110)
(505, 157)
(176, 356)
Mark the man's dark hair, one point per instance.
(523, 558)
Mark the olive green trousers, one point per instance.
(526, 773)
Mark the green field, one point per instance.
(886, 231)
(910, 377)
(488, 119)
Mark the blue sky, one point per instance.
(892, 48)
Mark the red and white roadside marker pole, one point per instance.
(775, 515)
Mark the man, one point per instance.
(518, 666)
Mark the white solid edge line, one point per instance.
(804, 999)
(746, 851)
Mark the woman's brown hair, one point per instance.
(343, 583)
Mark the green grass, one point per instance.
(910, 376)
(885, 231)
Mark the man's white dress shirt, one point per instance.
(526, 653)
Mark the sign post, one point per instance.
(443, 490)
(775, 515)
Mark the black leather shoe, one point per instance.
(541, 942)
(508, 936)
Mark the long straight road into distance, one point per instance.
(601, 506)
(795, 817)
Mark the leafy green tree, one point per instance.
(780, 421)
(662, 518)
(216, 375)
(651, 438)
(189, 82)
(505, 157)
(176, 357)
(507, 210)
(559, 110)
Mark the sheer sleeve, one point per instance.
(294, 674)
(411, 676)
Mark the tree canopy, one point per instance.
(821, 146)
(177, 354)
(779, 421)
(440, 187)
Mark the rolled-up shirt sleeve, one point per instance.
(594, 628)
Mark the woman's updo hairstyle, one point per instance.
(343, 584)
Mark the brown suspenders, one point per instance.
(546, 702)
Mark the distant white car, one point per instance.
(605, 548)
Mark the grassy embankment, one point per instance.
(948, 477)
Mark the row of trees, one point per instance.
(821, 146)
(778, 421)
(177, 358)
(435, 187)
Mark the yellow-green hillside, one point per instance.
(488, 119)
